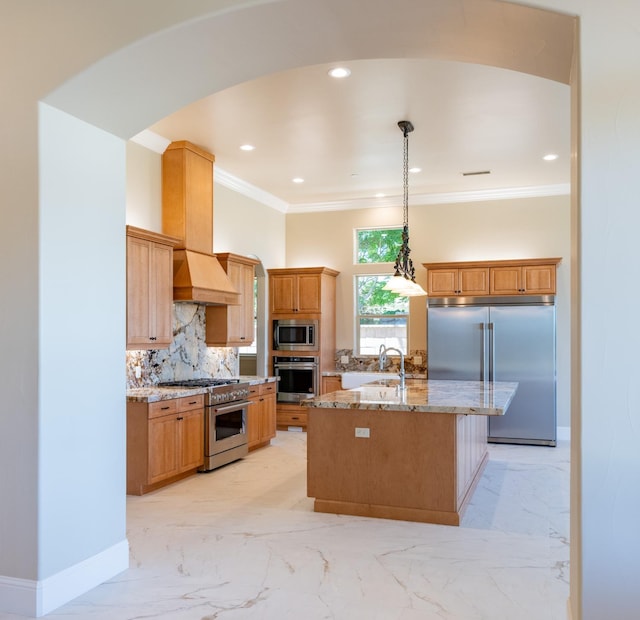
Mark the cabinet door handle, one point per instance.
(152, 338)
(180, 418)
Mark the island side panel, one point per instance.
(472, 453)
(406, 469)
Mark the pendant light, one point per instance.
(403, 281)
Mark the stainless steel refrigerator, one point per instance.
(500, 339)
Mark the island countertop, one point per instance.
(424, 396)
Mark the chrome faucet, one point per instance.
(382, 358)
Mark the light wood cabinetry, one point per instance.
(304, 293)
(331, 384)
(232, 326)
(291, 415)
(301, 291)
(414, 466)
(165, 442)
(187, 195)
(261, 415)
(451, 281)
(523, 280)
(149, 289)
(536, 276)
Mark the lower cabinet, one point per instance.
(261, 415)
(291, 415)
(331, 384)
(165, 442)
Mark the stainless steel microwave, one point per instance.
(295, 335)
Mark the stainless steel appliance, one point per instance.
(295, 335)
(299, 378)
(225, 419)
(500, 339)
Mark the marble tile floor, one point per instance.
(243, 542)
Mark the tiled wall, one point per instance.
(188, 357)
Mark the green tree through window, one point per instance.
(378, 245)
(381, 316)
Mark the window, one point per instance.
(377, 245)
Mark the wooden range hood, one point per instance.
(187, 213)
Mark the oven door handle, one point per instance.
(235, 405)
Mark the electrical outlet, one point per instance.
(417, 359)
(344, 359)
(362, 432)
(138, 372)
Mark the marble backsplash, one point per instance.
(415, 362)
(188, 356)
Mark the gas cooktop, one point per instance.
(195, 383)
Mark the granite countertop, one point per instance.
(421, 395)
(151, 394)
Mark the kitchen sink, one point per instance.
(352, 380)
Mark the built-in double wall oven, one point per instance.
(299, 378)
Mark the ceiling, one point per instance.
(341, 135)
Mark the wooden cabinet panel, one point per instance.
(165, 442)
(309, 293)
(523, 280)
(539, 279)
(232, 326)
(163, 452)
(452, 281)
(284, 293)
(191, 428)
(149, 289)
(291, 415)
(261, 415)
(331, 384)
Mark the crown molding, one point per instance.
(236, 184)
(510, 193)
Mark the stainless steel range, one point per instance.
(225, 419)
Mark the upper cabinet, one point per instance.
(149, 289)
(458, 281)
(309, 290)
(535, 276)
(232, 326)
(524, 280)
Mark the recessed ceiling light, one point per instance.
(339, 72)
(415, 169)
(550, 157)
(380, 195)
(298, 180)
(247, 147)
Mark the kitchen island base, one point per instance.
(405, 465)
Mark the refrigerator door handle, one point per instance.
(492, 351)
(483, 353)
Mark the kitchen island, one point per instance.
(415, 454)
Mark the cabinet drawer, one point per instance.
(163, 407)
(190, 402)
(254, 390)
(289, 418)
(267, 388)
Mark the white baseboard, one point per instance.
(563, 433)
(34, 599)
